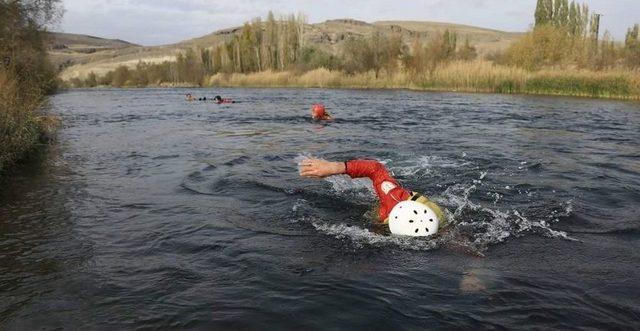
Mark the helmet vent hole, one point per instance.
(417, 230)
(425, 211)
(415, 212)
(431, 220)
(426, 229)
(410, 221)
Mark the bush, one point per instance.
(545, 46)
(26, 76)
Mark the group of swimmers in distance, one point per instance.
(217, 99)
(318, 111)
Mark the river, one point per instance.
(152, 212)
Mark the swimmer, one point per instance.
(406, 212)
(218, 99)
(319, 113)
(189, 97)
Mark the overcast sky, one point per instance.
(156, 22)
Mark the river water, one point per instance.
(152, 212)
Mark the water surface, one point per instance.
(151, 212)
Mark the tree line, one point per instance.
(565, 35)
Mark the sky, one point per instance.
(158, 22)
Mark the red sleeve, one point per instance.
(369, 168)
(378, 175)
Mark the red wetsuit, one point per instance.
(224, 101)
(387, 188)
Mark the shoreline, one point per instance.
(635, 98)
(462, 77)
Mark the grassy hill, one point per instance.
(66, 49)
(83, 54)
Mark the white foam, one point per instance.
(362, 237)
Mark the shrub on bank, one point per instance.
(22, 126)
(26, 76)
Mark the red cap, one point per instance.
(318, 111)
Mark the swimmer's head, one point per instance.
(411, 218)
(318, 112)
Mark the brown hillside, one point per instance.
(327, 35)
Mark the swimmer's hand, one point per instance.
(318, 168)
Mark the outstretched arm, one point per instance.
(387, 188)
(318, 168)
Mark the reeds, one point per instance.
(467, 76)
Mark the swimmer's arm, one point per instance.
(318, 168)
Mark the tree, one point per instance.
(216, 59)
(632, 46)
(549, 6)
(607, 54)
(91, 80)
(561, 13)
(120, 76)
(541, 13)
(272, 41)
(258, 41)
(207, 60)
(22, 47)
(544, 46)
(467, 52)
(574, 20)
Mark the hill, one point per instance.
(84, 54)
(67, 49)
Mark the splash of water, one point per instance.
(473, 225)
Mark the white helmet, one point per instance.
(410, 218)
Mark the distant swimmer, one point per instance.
(189, 97)
(202, 99)
(319, 113)
(218, 99)
(406, 212)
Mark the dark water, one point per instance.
(151, 212)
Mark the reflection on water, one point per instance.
(152, 213)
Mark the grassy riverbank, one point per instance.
(22, 124)
(475, 76)
(26, 78)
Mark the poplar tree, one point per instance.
(548, 11)
(272, 41)
(561, 13)
(632, 46)
(584, 19)
(574, 20)
(258, 41)
(540, 14)
(557, 19)
(216, 59)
